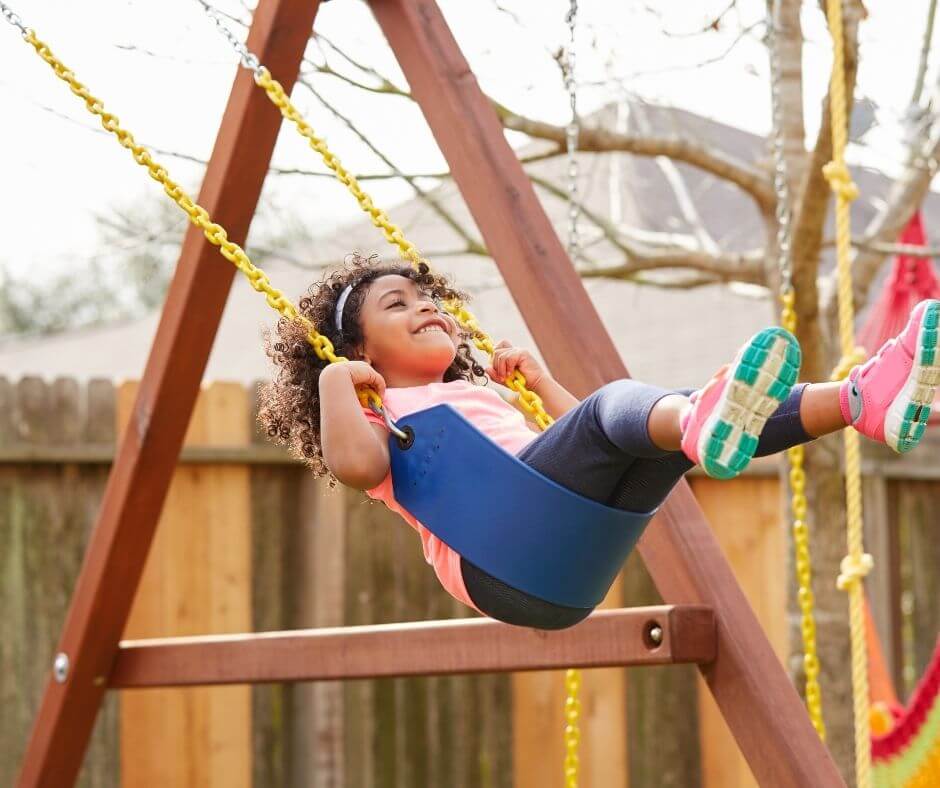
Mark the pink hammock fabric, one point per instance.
(912, 279)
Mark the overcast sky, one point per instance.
(166, 72)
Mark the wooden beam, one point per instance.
(750, 685)
(608, 637)
(103, 454)
(141, 474)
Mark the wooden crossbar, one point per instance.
(661, 635)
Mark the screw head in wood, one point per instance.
(60, 668)
(652, 635)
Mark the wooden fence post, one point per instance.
(197, 580)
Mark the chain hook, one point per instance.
(13, 18)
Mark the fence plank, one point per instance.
(46, 513)
(452, 730)
(197, 580)
(746, 520)
(662, 724)
(323, 531)
(918, 503)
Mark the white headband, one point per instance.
(340, 305)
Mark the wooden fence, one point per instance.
(248, 540)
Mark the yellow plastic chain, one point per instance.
(857, 563)
(529, 400)
(804, 566)
(572, 731)
(321, 345)
(198, 215)
(232, 252)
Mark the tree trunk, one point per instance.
(825, 490)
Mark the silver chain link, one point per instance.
(248, 59)
(781, 182)
(10, 15)
(571, 137)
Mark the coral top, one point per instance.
(488, 412)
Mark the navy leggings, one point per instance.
(602, 450)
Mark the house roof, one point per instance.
(671, 337)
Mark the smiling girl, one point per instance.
(626, 445)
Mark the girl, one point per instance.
(626, 445)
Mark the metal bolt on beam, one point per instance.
(60, 668)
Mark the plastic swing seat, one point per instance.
(506, 518)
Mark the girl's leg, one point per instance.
(590, 447)
(810, 411)
(887, 399)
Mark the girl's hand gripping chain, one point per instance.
(507, 358)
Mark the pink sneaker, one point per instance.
(889, 397)
(721, 429)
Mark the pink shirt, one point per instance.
(490, 414)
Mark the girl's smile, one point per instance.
(407, 339)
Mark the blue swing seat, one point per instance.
(506, 518)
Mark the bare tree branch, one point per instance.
(597, 140)
(905, 197)
(908, 250)
(811, 210)
(710, 27)
(751, 179)
(689, 282)
(435, 204)
(924, 55)
(729, 267)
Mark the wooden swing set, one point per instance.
(706, 621)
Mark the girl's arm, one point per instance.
(555, 397)
(355, 449)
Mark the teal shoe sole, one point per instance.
(761, 378)
(917, 396)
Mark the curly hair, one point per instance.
(289, 405)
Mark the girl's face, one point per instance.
(406, 338)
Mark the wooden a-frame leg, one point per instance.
(750, 685)
(147, 455)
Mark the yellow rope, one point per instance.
(857, 563)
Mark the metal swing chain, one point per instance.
(795, 456)
(247, 58)
(573, 248)
(10, 15)
(571, 136)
